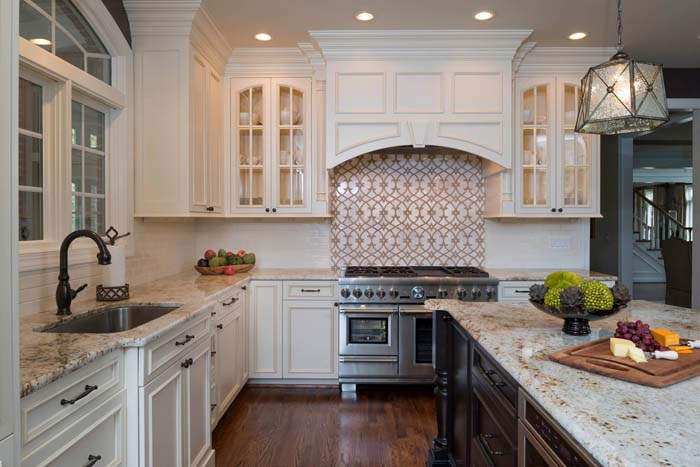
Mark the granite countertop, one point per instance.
(45, 357)
(619, 423)
(540, 274)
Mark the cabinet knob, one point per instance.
(554, 210)
(267, 209)
(560, 210)
(219, 326)
(274, 209)
(210, 208)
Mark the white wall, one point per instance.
(538, 243)
(161, 249)
(277, 243)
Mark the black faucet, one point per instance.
(64, 294)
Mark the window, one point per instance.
(58, 27)
(31, 161)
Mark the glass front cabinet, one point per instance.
(556, 170)
(271, 145)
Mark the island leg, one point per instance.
(439, 452)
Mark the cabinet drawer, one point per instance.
(495, 380)
(490, 440)
(234, 301)
(515, 291)
(158, 355)
(59, 403)
(309, 290)
(100, 433)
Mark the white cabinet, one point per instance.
(265, 329)
(271, 146)
(293, 330)
(310, 339)
(7, 451)
(174, 416)
(519, 291)
(231, 355)
(556, 169)
(206, 165)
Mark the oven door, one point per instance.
(368, 330)
(416, 342)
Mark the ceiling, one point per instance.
(659, 30)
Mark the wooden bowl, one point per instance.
(206, 271)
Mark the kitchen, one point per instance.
(235, 237)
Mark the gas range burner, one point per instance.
(379, 271)
(414, 271)
(466, 271)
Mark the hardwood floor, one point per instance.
(379, 426)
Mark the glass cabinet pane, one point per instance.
(577, 154)
(291, 156)
(535, 147)
(541, 106)
(251, 147)
(297, 107)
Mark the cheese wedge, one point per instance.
(665, 337)
(620, 347)
(681, 349)
(637, 355)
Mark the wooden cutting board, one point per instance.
(596, 357)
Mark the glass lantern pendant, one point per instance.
(622, 95)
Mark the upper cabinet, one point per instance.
(556, 169)
(271, 146)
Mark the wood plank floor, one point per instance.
(379, 426)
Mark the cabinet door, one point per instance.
(243, 347)
(250, 144)
(198, 120)
(265, 329)
(215, 153)
(198, 390)
(7, 451)
(229, 372)
(162, 419)
(291, 144)
(579, 156)
(310, 339)
(535, 148)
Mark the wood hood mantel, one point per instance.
(449, 88)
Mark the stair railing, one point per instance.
(654, 224)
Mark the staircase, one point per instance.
(652, 225)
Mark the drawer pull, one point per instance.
(522, 291)
(489, 372)
(484, 437)
(213, 313)
(213, 352)
(92, 460)
(187, 339)
(499, 384)
(213, 406)
(187, 363)
(244, 287)
(310, 290)
(85, 393)
(231, 302)
(219, 326)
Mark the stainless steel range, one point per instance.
(386, 334)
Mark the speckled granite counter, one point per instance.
(620, 424)
(524, 274)
(307, 274)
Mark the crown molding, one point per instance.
(161, 17)
(209, 40)
(270, 61)
(539, 61)
(315, 58)
(420, 44)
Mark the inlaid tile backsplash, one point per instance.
(408, 209)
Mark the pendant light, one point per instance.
(622, 95)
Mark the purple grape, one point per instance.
(628, 336)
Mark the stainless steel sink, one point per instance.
(117, 318)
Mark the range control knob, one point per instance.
(345, 293)
(442, 293)
(369, 293)
(491, 292)
(393, 293)
(418, 293)
(357, 293)
(461, 294)
(476, 293)
(381, 293)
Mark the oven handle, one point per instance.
(375, 310)
(415, 311)
(367, 359)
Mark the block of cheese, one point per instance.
(681, 349)
(665, 337)
(637, 355)
(620, 347)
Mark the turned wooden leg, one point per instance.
(439, 453)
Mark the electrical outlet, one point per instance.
(560, 243)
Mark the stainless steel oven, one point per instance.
(416, 343)
(369, 330)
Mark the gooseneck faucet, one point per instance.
(64, 294)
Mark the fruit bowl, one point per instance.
(576, 320)
(207, 271)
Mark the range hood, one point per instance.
(450, 88)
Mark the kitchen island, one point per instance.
(505, 347)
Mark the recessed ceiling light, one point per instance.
(577, 36)
(484, 15)
(364, 16)
(40, 41)
(263, 36)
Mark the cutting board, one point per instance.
(596, 357)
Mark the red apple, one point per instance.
(241, 253)
(229, 271)
(209, 254)
(230, 253)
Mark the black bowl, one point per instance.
(576, 320)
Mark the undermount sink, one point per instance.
(112, 319)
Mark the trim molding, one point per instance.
(275, 61)
(532, 60)
(207, 38)
(161, 17)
